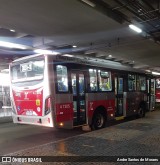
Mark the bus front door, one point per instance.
(151, 92)
(78, 91)
(119, 101)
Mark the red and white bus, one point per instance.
(157, 90)
(65, 92)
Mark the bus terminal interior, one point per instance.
(101, 32)
(119, 32)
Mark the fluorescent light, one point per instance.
(156, 73)
(135, 28)
(12, 30)
(74, 46)
(148, 71)
(43, 51)
(89, 3)
(68, 55)
(11, 45)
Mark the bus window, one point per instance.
(104, 81)
(81, 84)
(62, 79)
(141, 83)
(120, 85)
(93, 79)
(74, 84)
(31, 70)
(157, 83)
(131, 82)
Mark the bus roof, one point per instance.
(27, 57)
(86, 61)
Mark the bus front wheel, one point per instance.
(98, 121)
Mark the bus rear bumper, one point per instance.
(34, 120)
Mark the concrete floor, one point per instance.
(16, 137)
(132, 140)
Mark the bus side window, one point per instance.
(81, 84)
(93, 79)
(141, 83)
(131, 82)
(74, 84)
(157, 83)
(62, 78)
(104, 81)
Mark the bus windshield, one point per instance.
(28, 71)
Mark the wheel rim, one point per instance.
(99, 121)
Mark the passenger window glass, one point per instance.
(152, 86)
(62, 78)
(31, 70)
(104, 81)
(93, 79)
(141, 83)
(120, 85)
(81, 84)
(158, 83)
(131, 82)
(74, 84)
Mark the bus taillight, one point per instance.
(47, 105)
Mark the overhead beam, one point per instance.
(106, 9)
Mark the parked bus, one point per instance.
(157, 90)
(66, 92)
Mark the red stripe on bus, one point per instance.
(109, 105)
(64, 112)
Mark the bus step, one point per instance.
(119, 118)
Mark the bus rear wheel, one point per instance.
(98, 121)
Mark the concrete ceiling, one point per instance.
(97, 31)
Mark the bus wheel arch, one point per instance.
(99, 118)
(141, 110)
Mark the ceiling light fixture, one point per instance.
(148, 70)
(135, 28)
(89, 3)
(109, 55)
(12, 30)
(43, 51)
(156, 73)
(74, 46)
(68, 55)
(12, 45)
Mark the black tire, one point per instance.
(141, 112)
(98, 121)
